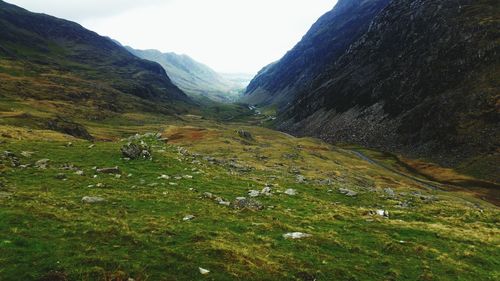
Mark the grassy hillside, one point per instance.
(139, 232)
(52, 69)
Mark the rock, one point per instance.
(208, 195)
(60, 176)
(266, 191)
(188, 218)
(112, 170)
(245, 134)
(382, 213)
(253, 193)
(5, 195)
(291, 192)
(246, 203)
(390, 192)
(27, 154)
(42, 164)
(93, 200)
(300, 179)
(225, 203)
(348, 192)
(136, 151)
(164, 177)
(203, 271)
(9, 154)
(188, 177)
(91, 146)
(296, 235)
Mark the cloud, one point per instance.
(83, 10)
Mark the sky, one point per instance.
(232, 36)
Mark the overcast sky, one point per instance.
(227, 35)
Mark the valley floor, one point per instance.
(165, 218)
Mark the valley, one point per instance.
(369, 151)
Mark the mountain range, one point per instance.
(413, 77)
(193, 77)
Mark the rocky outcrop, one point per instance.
(280, 82)
(421, 80)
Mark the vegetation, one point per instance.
(139, 232)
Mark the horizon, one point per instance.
(230, 40)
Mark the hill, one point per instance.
(193, 77)
(55, 69)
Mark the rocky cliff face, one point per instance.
(280, 82)
(422, 80)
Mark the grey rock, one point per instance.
(291, 192)
(188, 218)
(136, 151)
(245, 134)
(348, 192)
(111, 170)
(42, 164)
(296, 235)
(93, 200)
(247, 203)
(253, 193)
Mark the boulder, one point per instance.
(111, 170)
(296, 235)
(246, 203)
(93, 200)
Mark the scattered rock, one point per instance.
(390, 192)
(42, 164)
(253, 193)
(93, 200)
(5, 195)
(203, 271)
(296, 235)
(208, 195)
(266, 191)
(136, 151)
(348, 192)
(188, 218)
(246, 203)
(291, 192)
(245, 134)
(60, 176)
(188, 177)
(164, 177)
(382, 213)
(300, 179)
(112, 170)
(27, 154)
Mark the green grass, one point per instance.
(139, 231)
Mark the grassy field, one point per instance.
(48, 233)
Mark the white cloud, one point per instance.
(228, 35)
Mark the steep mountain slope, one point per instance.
(423, 80)
(76, 71)
(280, 82)
(191, 76)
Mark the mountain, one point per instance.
(74, 71)
(422, 80)
(193, 77)
(280, 82)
